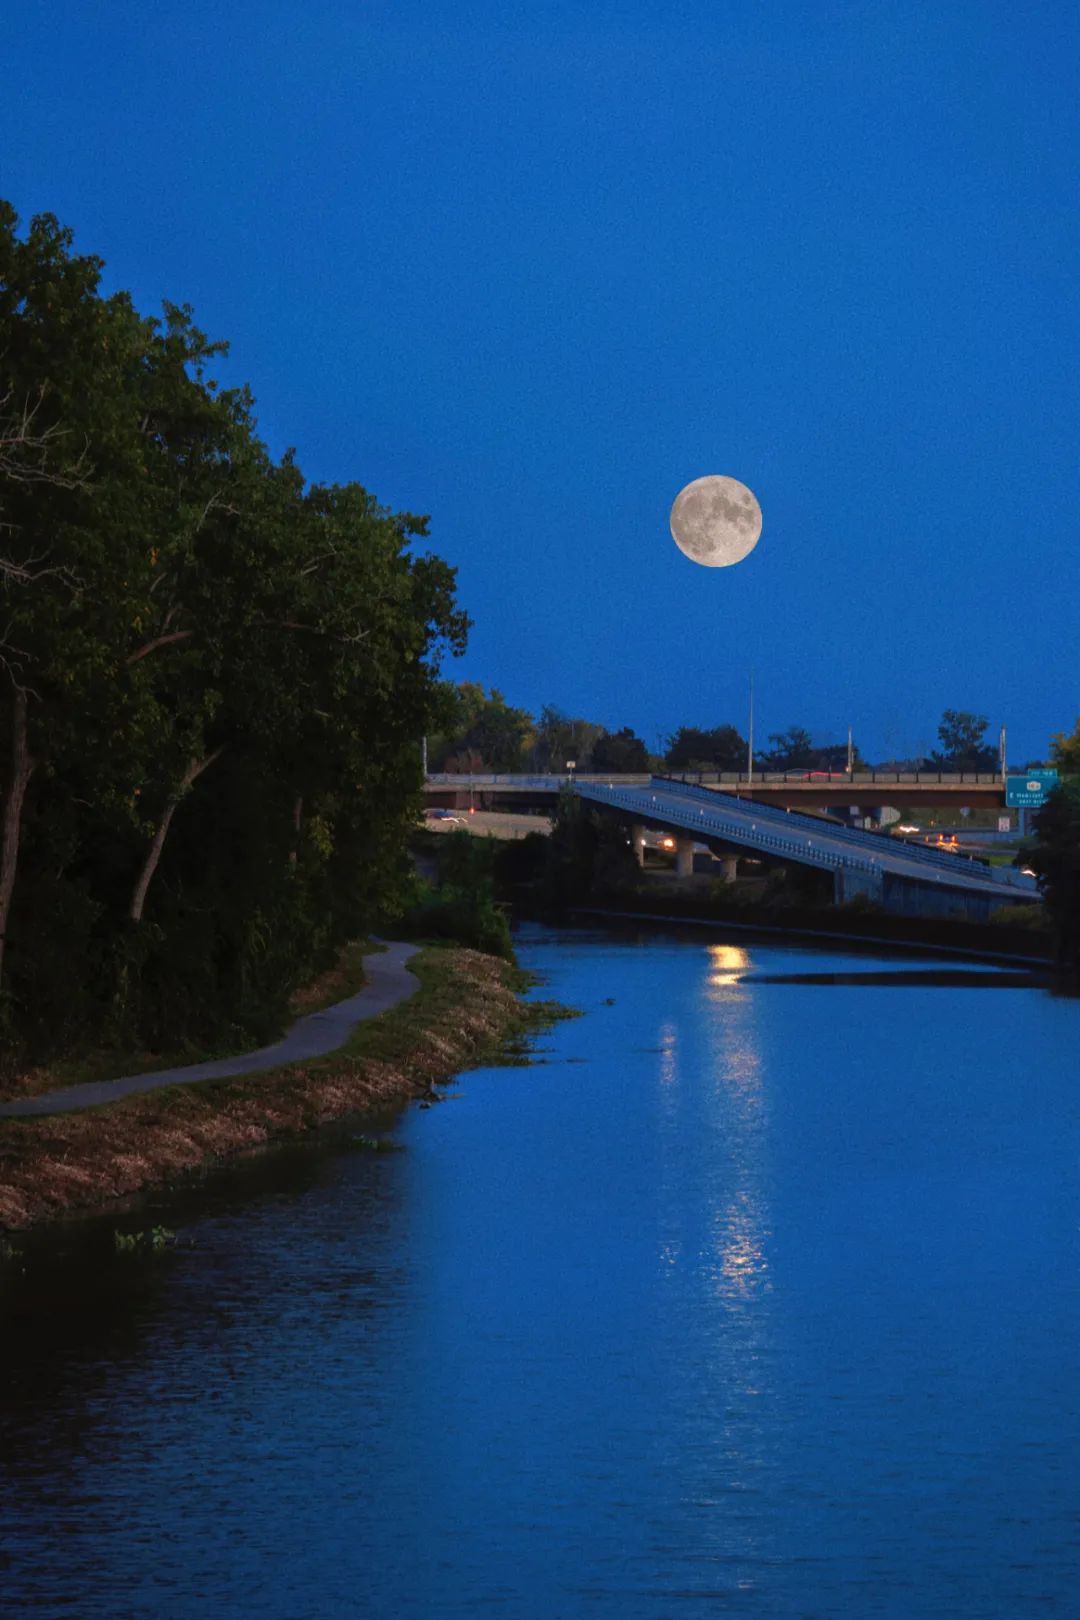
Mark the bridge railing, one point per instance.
(942, 859)
(843, 778)
(829, 779)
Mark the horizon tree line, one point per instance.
(486, 734)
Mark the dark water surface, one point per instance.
(751, 1299)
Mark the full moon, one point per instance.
(716, 521)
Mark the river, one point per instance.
(749, 1297)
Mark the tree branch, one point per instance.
(159, 641)
(25, 449)
(153, 856)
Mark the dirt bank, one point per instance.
(466, 1011)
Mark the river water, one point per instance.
(750, 1298)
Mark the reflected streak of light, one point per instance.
(668, 1043)
(727, 962)
(740, 1229)
(740, 1249)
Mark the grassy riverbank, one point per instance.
(467, 1011)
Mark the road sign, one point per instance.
(1004, 823)
(1031, 790)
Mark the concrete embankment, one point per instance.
(466, 1007)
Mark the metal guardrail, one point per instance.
(829, 779)
(547, 784)
(838, 779)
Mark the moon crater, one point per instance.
(716, 521)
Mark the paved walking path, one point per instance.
(389, 981)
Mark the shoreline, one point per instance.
(906, 936)
(467, 1011)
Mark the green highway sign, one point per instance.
(1031, 790)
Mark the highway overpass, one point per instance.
(868, 790)
(907, 879)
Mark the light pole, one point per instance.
(750, 739)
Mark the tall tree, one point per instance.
(792, 750)
(620, 752)
(561, 738)
(1056, 859)
(214, 678)
(963, 745)
(483, 733)
(1065, 751)
(691, 749)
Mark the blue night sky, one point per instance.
(531, 269)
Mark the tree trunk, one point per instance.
(22, 768)
(153, 856)
(297, 818)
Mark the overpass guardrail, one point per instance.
(830, 779)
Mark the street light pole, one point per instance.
(750, 739)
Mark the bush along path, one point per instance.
(468, 1011)
(389, 982)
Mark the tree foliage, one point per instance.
(621, 752)
(1056, 859)
(214, 677)
(1065, 751)
(792, 750)
(691, 749)
(796, 750)
(480, 733)
(588, 855)
(483, 733)
(561, 739)
(963, 744)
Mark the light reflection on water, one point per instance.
(756, 1298)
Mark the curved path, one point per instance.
(389, 982)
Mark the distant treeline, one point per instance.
(214, 678)
(488, 734)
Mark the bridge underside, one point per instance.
(897, 895)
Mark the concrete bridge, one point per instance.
(908, 879)
(868, 790)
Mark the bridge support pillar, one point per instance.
(637, 839)
(684, 856)
(729, 868)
